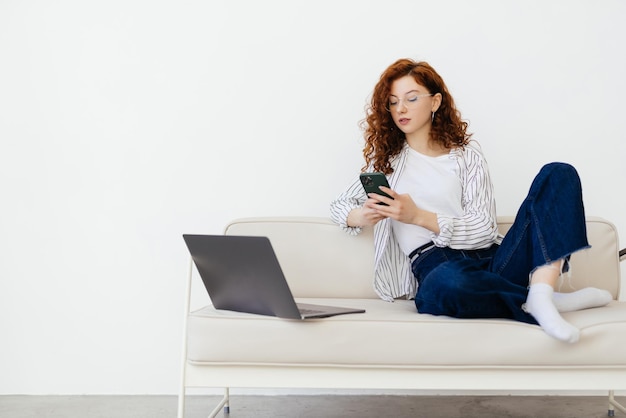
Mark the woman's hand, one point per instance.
(403, 209)
(364, 216)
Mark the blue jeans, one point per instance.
(493, 282)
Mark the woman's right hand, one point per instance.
(366, 215)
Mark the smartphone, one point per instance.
(371, 183)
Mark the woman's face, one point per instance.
(411, 106)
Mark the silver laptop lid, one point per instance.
(242, 273)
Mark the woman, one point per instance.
(436, 238)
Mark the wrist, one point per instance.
(353, 219)
(427, 220)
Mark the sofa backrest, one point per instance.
(320, 260)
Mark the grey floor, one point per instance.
(320, 406)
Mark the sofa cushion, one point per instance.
(394, 335)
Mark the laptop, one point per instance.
(242, 273)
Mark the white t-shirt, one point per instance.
(434, 184)
(475, 228)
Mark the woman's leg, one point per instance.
(455, 284)
(549, 227)
(465, 288)
(458, 283)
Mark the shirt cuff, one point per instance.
(352, 230)
(446, 226)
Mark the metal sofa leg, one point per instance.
(224, 402)
(181, 403)
(227, 403)
(614, 404)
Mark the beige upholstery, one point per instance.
(391, 346)
(342, 264)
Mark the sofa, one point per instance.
(391, 346)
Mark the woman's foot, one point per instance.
(589, 297)
(540, 305)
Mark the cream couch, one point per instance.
(391, 346)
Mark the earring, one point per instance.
(432, 117)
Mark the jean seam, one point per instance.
(509, 256)
(540, 238)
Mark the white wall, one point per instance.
(124, 124)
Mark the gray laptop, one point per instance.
(242, 273)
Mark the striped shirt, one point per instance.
(476, 228)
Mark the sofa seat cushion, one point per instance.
(394, 335)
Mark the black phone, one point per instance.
(371, 183)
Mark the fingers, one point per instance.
(399, 207)
(380, 206)
(369, 214)
(378, 198)
(389, 191)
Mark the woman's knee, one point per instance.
(560, 178)
(559, 170)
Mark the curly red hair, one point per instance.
(383, 140)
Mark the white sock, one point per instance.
(539, 304)
(589, 297)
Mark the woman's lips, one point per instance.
(403, 121)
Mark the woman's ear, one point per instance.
(437, 97)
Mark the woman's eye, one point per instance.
(412, 99)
